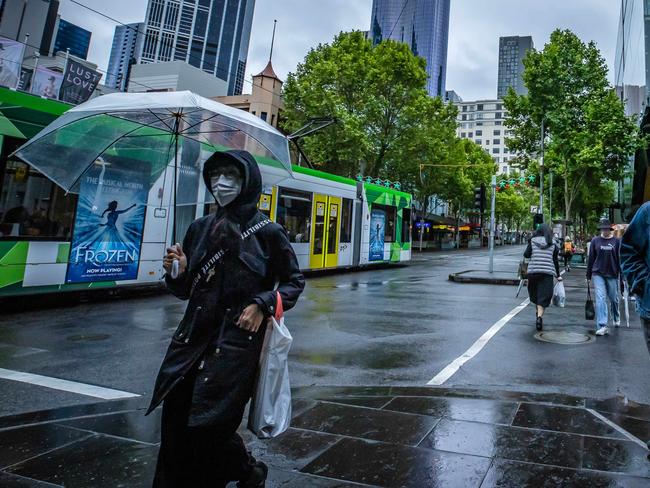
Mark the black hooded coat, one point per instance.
(246, 273)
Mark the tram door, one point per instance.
(326, 215)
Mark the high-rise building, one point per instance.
(34, 17)
(424, 26)
(126, 50)
(212, 35)
(632, 83)
(512, 51)
(72, 37)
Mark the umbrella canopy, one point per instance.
(148, 130)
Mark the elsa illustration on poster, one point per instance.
(377, 235)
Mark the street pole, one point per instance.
(494, 200)
(541, 172)
(550, 197)
(421, 231)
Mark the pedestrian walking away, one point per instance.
(603, 268)
(229, 267)
(543, 267)
(569, 250)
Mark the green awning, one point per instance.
(23, 115)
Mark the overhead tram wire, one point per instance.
(396, 21)
(189, 54)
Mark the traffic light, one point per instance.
(479, 198)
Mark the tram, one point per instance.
(332, 222)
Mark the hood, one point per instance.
(540, 241)
(245, 205)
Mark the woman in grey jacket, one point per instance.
(543, 266)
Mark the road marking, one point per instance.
(65, 385)
(618, 428)
(475, 348)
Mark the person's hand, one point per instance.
(175, 252)
(560, 278)
(251, 318)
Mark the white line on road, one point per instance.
(65, 385)
(475, 348)
(617, 428)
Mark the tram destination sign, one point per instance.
(108, 226)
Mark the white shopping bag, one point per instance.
(270, 411)
(559, 295)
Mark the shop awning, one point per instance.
(23, 115)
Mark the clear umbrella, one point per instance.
(147, 132)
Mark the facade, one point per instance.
(265, 100)
(631, 80)
(452, 96)
(424, 26)
(483, 121)
(126, 50)
(512, 51)
(72, 37)
(34, 17)
(175, 76)
(212, 35)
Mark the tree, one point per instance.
(377, 95)
(512, 208)
(589, 137)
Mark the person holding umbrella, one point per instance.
(544, 265)
(603, 268)
(233, 265)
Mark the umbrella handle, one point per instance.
(175, 268)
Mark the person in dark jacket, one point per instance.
(229, 266)
(603, 268)
(544, 265)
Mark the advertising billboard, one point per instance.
(79, 82)
(377, 235)
(46, 82)
(109, 225)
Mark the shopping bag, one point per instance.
(270, 411)
(559, 295)
(590, 311)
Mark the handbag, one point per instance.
(523, 269)
(270, 411)
(590, 311)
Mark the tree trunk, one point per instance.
(567, 198)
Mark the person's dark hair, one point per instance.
(544, 230)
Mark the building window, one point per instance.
(346, 220)
(497, 122)
(504, 169)
(496, 141)
(263, 116)
(470, 135)
(478, 141)
(463, 134)
(495, 150)
(487, 142)
(464, 117)
(499, 106)
(479, 123)
(254, 112)
(479, 106)
(497, 115)
(294, 214)
(497, 132)
(464, 108)
(479, 132)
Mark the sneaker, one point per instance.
(257, 478)
(602, 331)
(617, 324)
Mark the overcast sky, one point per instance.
(474, 31)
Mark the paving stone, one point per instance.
(488, 411)
(130, 425)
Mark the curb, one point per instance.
(463, 277)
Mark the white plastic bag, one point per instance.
(559, 295)
(270, 411)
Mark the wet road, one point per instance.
(396, 326)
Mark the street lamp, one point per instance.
(541, 171)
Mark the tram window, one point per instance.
(346, 220)
(331, 229)
(294, 214)
(406, 225)
(391, 220)
(31, 206)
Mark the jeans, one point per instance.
(646, 332)
(606, 287)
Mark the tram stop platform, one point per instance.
(358, 437)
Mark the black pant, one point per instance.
(646, 331)
(197, 457)
(567, 259)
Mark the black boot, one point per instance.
(257, 478)
(538, 323)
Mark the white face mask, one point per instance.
(225, 188)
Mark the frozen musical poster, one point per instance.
(109, 224)
(377, 235)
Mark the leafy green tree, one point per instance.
(589, 138)
(377, 95)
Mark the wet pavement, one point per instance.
(524, 410)
(358, 436)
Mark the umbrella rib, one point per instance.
(161, 119)
(210, 132)
(199, 123)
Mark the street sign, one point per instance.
(534, 209)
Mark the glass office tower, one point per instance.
(424, 26)
(212, 35)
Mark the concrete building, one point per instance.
(125, 51)
(482, 121)
(72, 37)
(265, 100)
(37, 18)
(424, 26)
(512, 51)
(175, 76)
(212, 35)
